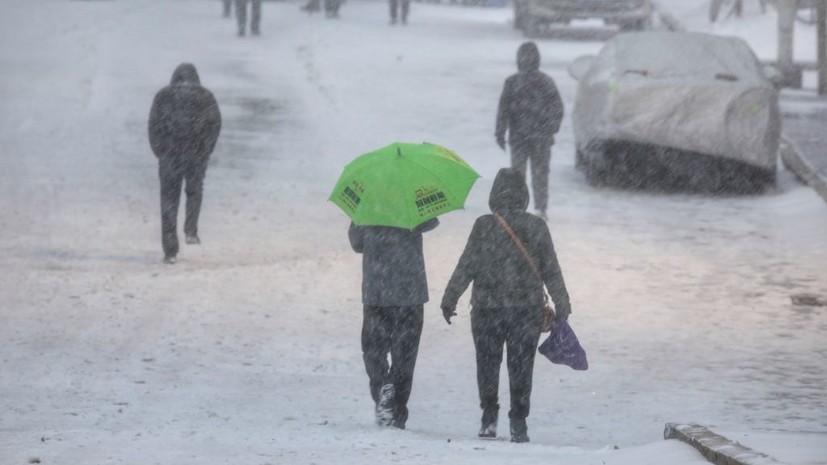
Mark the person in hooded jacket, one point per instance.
(395, 7)
(507, 298)
(184, 124)
(255, 16)
(530, 111)
(331, 8)
(394, 289)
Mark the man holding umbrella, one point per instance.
(394, 289)
(393, 195)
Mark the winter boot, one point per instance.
(400, 417)
(193, 239)
(384, 408)
(170, 259)
(488, 430)
(519, 430)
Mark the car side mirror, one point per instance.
(774, 75)
(580, 66)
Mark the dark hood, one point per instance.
(185, 73)
(509, 192)
(528, 57)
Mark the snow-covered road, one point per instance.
(248, 349)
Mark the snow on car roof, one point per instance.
(684, 54)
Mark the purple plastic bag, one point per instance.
(562, 347)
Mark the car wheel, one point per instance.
(519, 18)
(633, 25)
(533, 26)
(595, 176)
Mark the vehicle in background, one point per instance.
(676, 111)
(532, 16)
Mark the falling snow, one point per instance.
(247, 350)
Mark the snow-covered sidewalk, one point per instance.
(248, 351)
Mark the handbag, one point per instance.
(548, 310)
(562, 347)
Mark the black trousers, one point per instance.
(540, 156)
(241, 15)
(519, 330)
(332, 6)
(394, 6)
(173, 174)
(394, 330)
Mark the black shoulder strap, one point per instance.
(519, 245)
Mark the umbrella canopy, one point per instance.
(403, 185)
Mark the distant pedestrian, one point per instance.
(184, 124)
(394, 289)
(507, 297)
(331, 8)
(241, 15)
(312, 6)
(531, 111)
(228, 8)
(395, 7)
(737, 8)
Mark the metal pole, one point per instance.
(821, 15)
(786, 22)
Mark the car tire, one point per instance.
(519, 17)
(579, 160)
(533, 26)
(640, 24)
(595, 176)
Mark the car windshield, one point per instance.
(671, 55)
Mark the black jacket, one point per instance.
(501, 275)
(393, 268)
(530, 107)
(184, 120)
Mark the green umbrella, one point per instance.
(403, 185)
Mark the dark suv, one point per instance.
(533, 15)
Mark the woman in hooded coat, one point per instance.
(507, 298)
(531, 111)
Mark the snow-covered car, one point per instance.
(533, 15)
(676, 110)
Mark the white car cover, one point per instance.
(690, 91)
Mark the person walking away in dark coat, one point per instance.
(531, 111)
(331, 8)
(184, 124)
(395, 7)
(394, 289)
(241, 15)
(312, 6)
(507, 298)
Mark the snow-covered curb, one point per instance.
(716, 448)
(795, 162)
